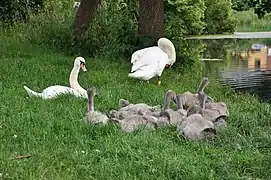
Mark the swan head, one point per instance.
(76, 4)
(169, 95)
(204, 82)
(167, 46)
(80, 62)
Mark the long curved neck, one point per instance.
(90, 100)
(179, 101)
(171, 54)
(166, 104)
(169, 49)
(203, 84)
(202, 99)
(167, 100)
(73, 78)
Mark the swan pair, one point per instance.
(56, 90)
(150, 62)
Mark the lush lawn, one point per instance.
(62, 147)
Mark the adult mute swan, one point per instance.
(56, 90)
(165, 45)
(150, 62)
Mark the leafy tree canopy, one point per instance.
(261, 7)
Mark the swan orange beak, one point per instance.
(83, 67)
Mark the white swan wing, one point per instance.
(143, 74)
(149, 57)
(54, 91)
(152, 63)
(137, 55)
(161, 63)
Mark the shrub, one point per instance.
(184, 17)
(240, 5)
(219, 17)
(12, 11)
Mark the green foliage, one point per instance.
(240, 5)
(249, 21)
(58, 5)
(219, 17)
(12, 10)
(184, 17)
(114, 30)
(261, 7)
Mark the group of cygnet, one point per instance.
(196, 116)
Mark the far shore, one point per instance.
(235, 35)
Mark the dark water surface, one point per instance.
(243, 64)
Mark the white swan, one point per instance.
(150, 62)
(56, 90)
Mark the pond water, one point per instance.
(244, 64)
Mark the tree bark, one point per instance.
(85, 15)
(151, 18)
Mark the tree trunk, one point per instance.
(85, 15)
(151, 18)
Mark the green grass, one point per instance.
(249, 22)
(62, 147)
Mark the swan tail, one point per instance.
(32, 93)
(133, 75)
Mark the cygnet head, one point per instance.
(123, 103)
(167, 46)
(203, 84)
(80, 62)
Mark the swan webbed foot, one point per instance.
(159, 81)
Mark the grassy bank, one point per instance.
(249, 22)
(62, 147)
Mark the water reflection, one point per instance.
(245, 64)
(258, 57)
